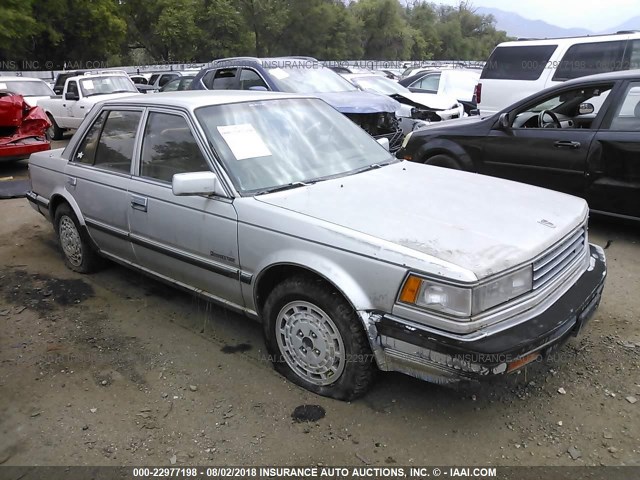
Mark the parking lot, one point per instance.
(114, 368)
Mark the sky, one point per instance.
(596, 15)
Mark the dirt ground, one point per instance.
(116, 369)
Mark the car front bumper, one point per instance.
(405, 346)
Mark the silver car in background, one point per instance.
(279, 207)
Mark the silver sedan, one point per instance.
(280, 207)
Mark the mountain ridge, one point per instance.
(518, 26)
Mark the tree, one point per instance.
(385, 32)
(222, 31)
(266, 19)
(18, 25)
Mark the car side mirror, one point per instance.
(503, 121)
(71, 96)
(259, 88)
(197, 183)
(384, 142)
(586, 109)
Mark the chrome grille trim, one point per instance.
(553, 263)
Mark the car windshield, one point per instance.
(378, 84)
(308, 78)
(273, 144)
(105, 85)
(27, 88)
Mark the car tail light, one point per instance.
(478, 93)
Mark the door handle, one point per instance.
(81, 106)
(139, 203)
(72, 181)
(566, 144)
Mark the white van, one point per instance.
(517, 69)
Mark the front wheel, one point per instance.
(442, 160)
(315, 339)
(53, 132)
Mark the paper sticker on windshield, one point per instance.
(278, 73)
(244, 141)
(88, 84)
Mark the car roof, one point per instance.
(191, 99)
(270, 61)
(608, 76)
(622, 35)
(20, 79)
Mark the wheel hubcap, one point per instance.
(310, 343)
(70, 241)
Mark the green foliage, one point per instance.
(17, 25)
(131, 31)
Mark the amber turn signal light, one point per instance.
(410, 289)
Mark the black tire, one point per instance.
(445, 161)
(76, 248)
(54, 132)
(356, 369)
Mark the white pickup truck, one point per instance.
(80, 94)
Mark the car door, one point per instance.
(69, 100)
(613, 184)
(191, 240)
(98, 177)
(553, 158)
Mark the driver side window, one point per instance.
(169, 147)
(575, 108)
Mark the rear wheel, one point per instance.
(316, 340)
(54, 132)
(76, 248)
(442, 160)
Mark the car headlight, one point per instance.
(465, 302)
(406, 139)
(503, 289)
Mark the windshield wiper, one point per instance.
(373, 166)
(288, 186)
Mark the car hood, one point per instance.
(429, 100)
(481, 224)
(461, 123)
(32, 100)
(359, 102)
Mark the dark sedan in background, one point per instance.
(580, 137)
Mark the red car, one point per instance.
(22, 128)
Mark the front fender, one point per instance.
(444, 146)
(320, 265)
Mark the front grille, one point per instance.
(558, 259)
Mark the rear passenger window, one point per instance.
(590, 58)
(115, 147)
(517, 63)
(87, 151)
(222, 79)
(166, 79)
(168, 147)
